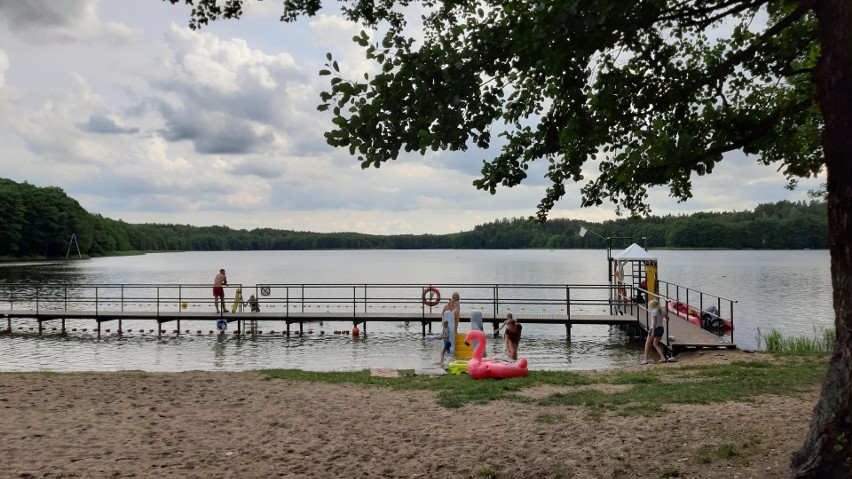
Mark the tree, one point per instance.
(649, 91)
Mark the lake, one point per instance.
(789, 291)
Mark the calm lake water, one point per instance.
(789, 291)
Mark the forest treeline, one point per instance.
(39, 222)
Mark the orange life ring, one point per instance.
(434, 300)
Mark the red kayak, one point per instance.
(709, 319)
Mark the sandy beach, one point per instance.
(217, 424)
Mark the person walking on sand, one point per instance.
(512, 336)
(655, 330)
(219, 291)
(454, 306)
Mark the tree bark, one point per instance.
(827, 452)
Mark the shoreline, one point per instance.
(241, 424)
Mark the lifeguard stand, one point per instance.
(632, 267)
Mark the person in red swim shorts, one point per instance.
(219, 291)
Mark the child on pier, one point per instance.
(253, 304)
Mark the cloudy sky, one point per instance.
(140, 118)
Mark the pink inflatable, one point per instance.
(480, 368)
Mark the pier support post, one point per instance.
(568, 330)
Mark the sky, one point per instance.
(141, 119)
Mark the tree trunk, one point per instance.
(827, 452)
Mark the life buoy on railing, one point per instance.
(434, 296)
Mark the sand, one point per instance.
(217, 424)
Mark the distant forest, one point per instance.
(39, 223)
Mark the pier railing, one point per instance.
(291, 298)
(699, 300)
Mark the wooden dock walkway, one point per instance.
(286, 305)
(682, 334)
(357, 318)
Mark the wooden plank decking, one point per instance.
(681, 335)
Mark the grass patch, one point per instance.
(487, 473)
(622, 468)
(736, 381)
(821, 343)
(670, 471)
(562, 473)
(549, 418)
(736, 451)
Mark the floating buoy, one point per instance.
(211, 331)
(187, 331)
(322, 333)
(310, 331)
(199, 331)
(336, 331)
(236, 332)
(272, 331)
(129, 330)
(356, 331)
(260, 332)
(72, 329)
(220, 332)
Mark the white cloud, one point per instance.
(147, 121)
(49, 21)
(4, 66)
(227, 98)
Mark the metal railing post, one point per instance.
(732, 320)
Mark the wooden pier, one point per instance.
(307, 305)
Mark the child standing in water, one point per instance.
(445, 340)
(455, 306)
(512, 336)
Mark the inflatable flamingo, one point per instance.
(480, 368)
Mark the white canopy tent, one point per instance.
(634, 252)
